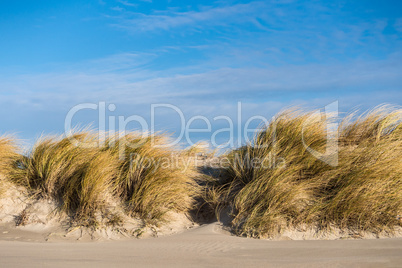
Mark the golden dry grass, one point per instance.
(363, 192)
(78, 178)
(273, 184)
(86, 180)
(153, 178)
(8, 156)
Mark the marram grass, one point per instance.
(363, 192)
(8, 157)
(153, 177)
(275, 194)
(271, 185)
(78, 178)
(87, 180)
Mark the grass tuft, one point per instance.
(87, 180)
(78, 178)
(8, 157)
(290, 187)
(365, 191)
(153, 178)
(272, 184)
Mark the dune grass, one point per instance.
(293, 188)
(273, 179)
(78, 178)
(8, 156)
(87, 179)
(272, 184)
(365, 191)
(153, 178)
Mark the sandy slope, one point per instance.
(205, 246)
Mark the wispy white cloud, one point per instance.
(398, 25)
(130, 84)
(127, 3)
(33, 103)
(268, 54)
(281, 30)
(116, 8)
(168, 19)
(128, 61)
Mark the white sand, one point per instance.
(46, 240)
(204, 246)
(44, 222)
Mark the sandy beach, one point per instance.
(204, 246)
(213, 133)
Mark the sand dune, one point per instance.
(204, 246)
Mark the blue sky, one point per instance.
(201, 56)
